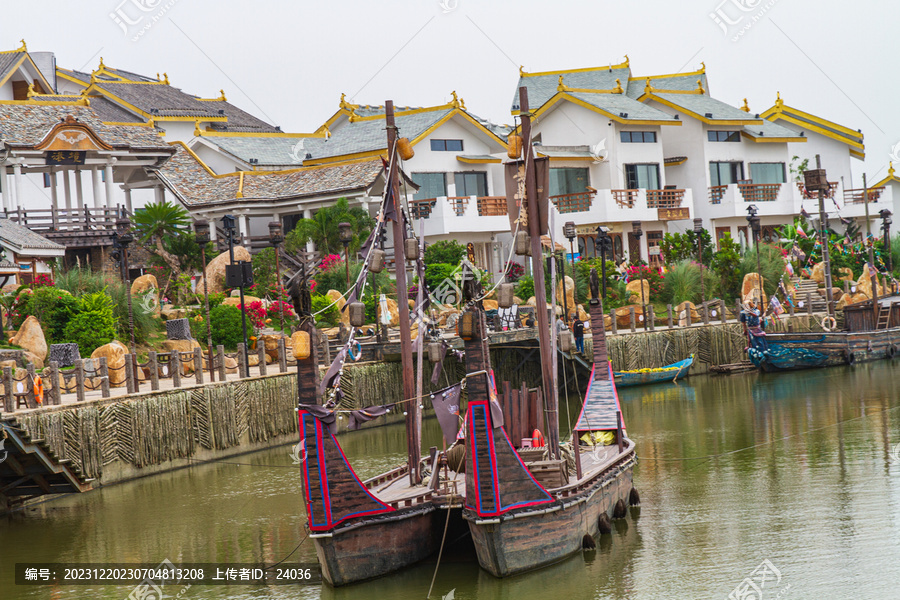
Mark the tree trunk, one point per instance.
(168, 257)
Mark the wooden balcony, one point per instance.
(759, 192)
(859, 196)
(625, 198)
(665, 198)
(813, 195)
(421, 209)
(492, 206)
(716, 192)
(571, 203)
(459, 204)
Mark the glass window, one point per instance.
(431, 185)
(642, 176)
(46, 179)
(767, 172)
(723, 136)
(471, 183)
(646, 137)
(447, 145)
(724, 173)
(568, 181)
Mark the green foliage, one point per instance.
(93, 325)
(184, 247)
(335, 278)
(771, 265)
(725, 264)
(448, 252)
(198, 328)
(52, 307)
(677, 247)
(215, 299)
(437, 273)
(798, 167)
(583, 271)
(330, 317)
(160, 219)
(322, 229)
(682, 283)
(264, 269)
(525, 287)
(227, 327)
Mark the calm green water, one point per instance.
(801, 470)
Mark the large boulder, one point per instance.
(335, 296)
(681, 313)
(270, 341)
(491, 304)
(31, 357)
(863, 286)
(393, 311)
(633, 287)
(582, 315)
(31, 337)
(114, 353)
(623, 316)
(236, 302)
(215, 270)
(844, 274)
(569, 292)
(184, 347)
(170, 312)
(750, 288)
(818, 272)
(144, 284)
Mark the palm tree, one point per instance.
(322, 229)
(156, 221)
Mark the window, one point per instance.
(103, 175)
(767, 172)
(646, 137)
(431, 185)
(723, 136)
(723, 173)
(46, 179)
(654, 238)
(568, 181)
(642, 176)
(471, 183)
(446, 145)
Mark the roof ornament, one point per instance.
(166, 78)
(521, 70)
(627, 63)
(455, 102)
(778, 101)
(24, 46)
(560, 86)
(327, 131)
(151, 122)
(891, 169)
(197, 132)
(31, 92)
(93, 78)
(462, 104)
(618, 89)
(702, 67)
(221, 97)
(648, 87)
(745, 107)
(353, 116)
(101, 66)
(700, 87)
(343, 103)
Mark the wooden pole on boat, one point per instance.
(420, 334)
(872, 278)
(823, 239)
(409, 386)
(537, 265)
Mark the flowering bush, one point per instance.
(256, 313)
(44, 280)
(330, 260)
(514, 272)
(654, 276)
(274, 310)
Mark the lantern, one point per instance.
(301, 344)
(434, 352)
(505, 297)
(566, 341)
(465, 327)
(514, 146)
(412, 248)
(523, 244)
(405, 149)
(377, 264)
(815, 180)
(357, 314)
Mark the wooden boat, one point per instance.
(656, 375)
(869, 335)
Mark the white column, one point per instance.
(4, 188)
(212, 226)
(307, 214)
(127, 197)
(54, 193)
(108, 171)
(17, 174)
(79, 192)
(243, 225)
(95, 186)
(67, 190)
(159, 194)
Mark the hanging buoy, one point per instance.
(604, 524)
(891, 351)
(358, 351)
(537, 439)
(514, 146)
(829, 323)
(405, 149)
(523, 244)
(587, 542)
(851, 358)
(357, 314)
(506, 295)
(619, 511)
(634, 499)
(376, 265)
(412, 248)
(301, 346)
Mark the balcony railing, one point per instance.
(812, 195)
(571, 203)
(421, 209)
(716, 192)
(759, 192)
(625, 198)
(492, 206)
(664, 198)
(859, 196)
(52, 220)
(459, 204)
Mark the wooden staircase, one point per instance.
(804, 287)
(884, 317)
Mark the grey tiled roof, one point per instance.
(269, 151)
(239, 120)
(620, 104)
(564, 151)
(769, 129)
(7, 60)
(110, 112)
(22, 237)
(676, 82)
(701, 104)
(543, 87)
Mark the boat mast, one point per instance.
(823, 239)
(537, 265)
(409, 389)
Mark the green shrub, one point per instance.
(437, 273)
(335, 278)
(525, 287)
(682, 283)
(93, 325)
(227, 327)
(771, 263)
(330, 317)
(726, 263)
(448, 252)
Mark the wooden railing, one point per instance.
(716, 192)
(50, 220)
(625, 198)
(421, 209)
(459, 204)
(812, 195)
(664, 198)
(570, 203)
(491, 206)
(759, 192)
(859, 196)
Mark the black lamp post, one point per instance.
(753, 219)
(698, 231)
(571, 233)
(229, 224)
(124, 237)
(604, 242)
(886, 221)
(276, 236)
(636, 229)
(201, 236)
(346, 232)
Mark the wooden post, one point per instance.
(55, 398)
(612, 319)
(631, 316)
(669, 314)
(846, 287)
(282, 355)
(738, 307)
(30, 399)
(242, 366)
(104, 377)
(220, 350)
(154, 370)
(809, 309)
(79, 379)
(175, 368)
(129, 375)
(689, 313)
(261, 352)
(722, 310)
(651, 321)
(198, 365)
(619, 430)
(705, 314)
(9, 402)
(791, 308)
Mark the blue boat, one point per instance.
(657, 375)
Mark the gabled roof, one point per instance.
(542, 86)
(768, 132)
(21, 239)
(809, 122)
(891, 177)
(11, 60)
(186, 176)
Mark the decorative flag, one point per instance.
(872, 271)
(804, 214)
(789, 268)
(801, 233)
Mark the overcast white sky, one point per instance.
(289, 61)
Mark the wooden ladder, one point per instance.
(884, 317)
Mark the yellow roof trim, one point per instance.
(622, 65)
(22, 48)
(12, 70)
(782, 108)
(700, 71)
(198, 159)
(126, 124)
(351, 158)
(35, 103)
(675, 163)
(610, 115)
(815, 128)
(272, 134)
(221, 98)
(240, 192)
(858, 154)
(60, 72)
(764, 139)
(726, 122)
(478, 161)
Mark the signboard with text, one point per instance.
(674, 214)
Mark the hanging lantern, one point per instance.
(357, 314)
(412, 248)
(434, 352)
(301, 344)
(566, 341)
(405, 149)
(377, 263)
(465, 327)
(505, 297)
(523, 244)
(514, 146)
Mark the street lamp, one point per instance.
(698, 231)
(237, 275)
(276, 236)
(636, 229)
(604, 242)
(346, 232)
(886, 221)
(571, 233)
(124, 237)
(201, 236)
(753, 219)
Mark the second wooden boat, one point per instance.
(665, 374)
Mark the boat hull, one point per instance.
(793, 351)
(521, 541)
(376, 547)
(628, 379)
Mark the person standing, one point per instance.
(578, 330)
